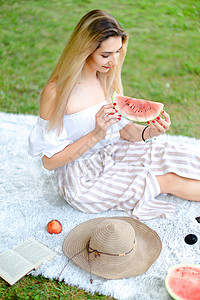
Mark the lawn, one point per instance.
(162, 64)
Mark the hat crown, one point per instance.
(113, 236)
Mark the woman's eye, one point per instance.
(105, 56)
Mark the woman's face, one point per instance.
(106, 55)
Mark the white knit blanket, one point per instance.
(29, 200)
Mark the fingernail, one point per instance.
(114, 104)
(119, 118)
(115, 110)
(148, 122)
(158, 118)
(163, 111)
(153, 121)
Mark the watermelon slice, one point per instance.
(138, 110)
(183, 282)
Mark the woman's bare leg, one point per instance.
(182, 187)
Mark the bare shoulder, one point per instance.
(47, 100)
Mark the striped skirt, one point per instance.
(122, 176)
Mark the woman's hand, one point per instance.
(105, 117)
(159, 125)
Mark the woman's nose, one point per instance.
(114, 59)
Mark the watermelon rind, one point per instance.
(170, 273)
(138, 119)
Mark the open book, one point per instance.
(29, 255)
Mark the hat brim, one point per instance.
(147, 249)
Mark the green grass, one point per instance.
(39, 288)
(162, 63)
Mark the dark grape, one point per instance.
(191, 239)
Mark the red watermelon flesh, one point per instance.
(183, 282)
(137, 109)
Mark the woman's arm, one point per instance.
(104, 118)
(133, 132)
(71, 152)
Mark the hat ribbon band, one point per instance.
(98, 253)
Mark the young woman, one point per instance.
(100, 159)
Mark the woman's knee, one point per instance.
(167, 182)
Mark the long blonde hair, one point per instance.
(93, 28)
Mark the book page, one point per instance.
(13, 266)
(35, 252)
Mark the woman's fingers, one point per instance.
(105, 117)
(108, 108)
(156, 126)
(166, 122)
(109, 117)
(106, 113)
(166, 116)
(161, 125)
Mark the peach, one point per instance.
(54, 226)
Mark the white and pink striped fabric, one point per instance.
(115, 174)
(123, 177)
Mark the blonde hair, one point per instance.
(93, 28)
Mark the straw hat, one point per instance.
(114, 247)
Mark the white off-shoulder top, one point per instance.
(43, 142)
